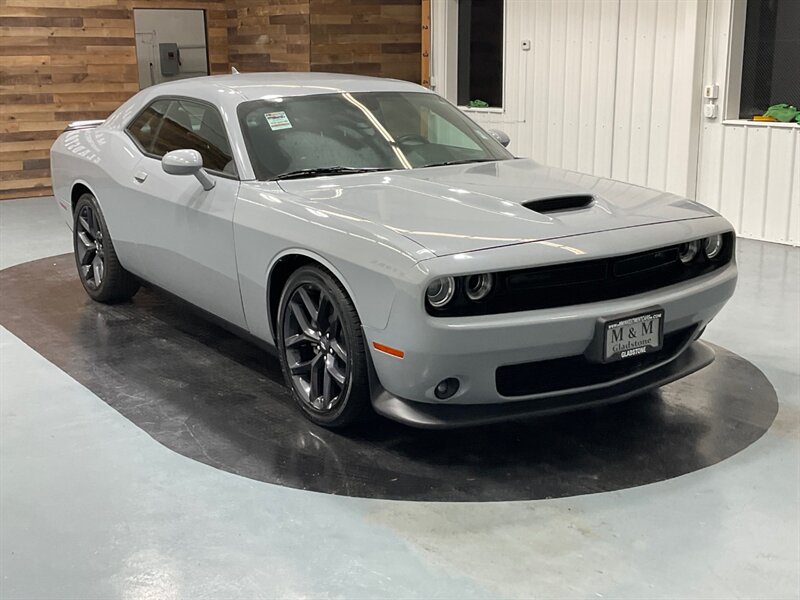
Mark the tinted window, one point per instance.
(195, 126)
(382, 130)
(168, 125)
(480, 53)
(771, 61)
(145, 126)
(441, 131)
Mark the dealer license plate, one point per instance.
(633, 336)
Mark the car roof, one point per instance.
(251, 86)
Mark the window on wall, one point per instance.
(480, 53)
(771, 61)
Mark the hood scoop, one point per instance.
(562, 203)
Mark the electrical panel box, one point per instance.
(170, 58)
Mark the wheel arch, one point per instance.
(78, 189)
(282, 267)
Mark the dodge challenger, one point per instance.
(395, 255)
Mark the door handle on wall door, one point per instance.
(140, 176)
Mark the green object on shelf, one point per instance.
(783, 112)
(478, 104)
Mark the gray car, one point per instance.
(394, 254)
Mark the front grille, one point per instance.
(583, 282)
(549, 376)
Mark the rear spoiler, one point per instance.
(76, 125)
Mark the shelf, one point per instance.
(746, 123)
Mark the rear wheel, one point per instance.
(102, 276)
(322, 349)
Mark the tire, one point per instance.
(99, 269)
(322, 351)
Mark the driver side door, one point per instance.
(184, 233)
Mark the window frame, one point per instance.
(173, 97)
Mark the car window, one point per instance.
(369, 130)
(144, 127)
(318, 130)
(195, 126)
(442, 131)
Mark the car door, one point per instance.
(185, 233)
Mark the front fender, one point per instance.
(377, 311)
(270, 225)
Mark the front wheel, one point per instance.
(101, 274)
(322, 350)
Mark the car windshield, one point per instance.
(339, 133)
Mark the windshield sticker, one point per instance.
(278, 120)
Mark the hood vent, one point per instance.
(562, 203)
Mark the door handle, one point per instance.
(140, 176)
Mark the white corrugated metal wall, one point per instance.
(748, 172)
(613, 87)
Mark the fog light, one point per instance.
(441, 291)
(712, 246)
(687, 251)
(446, 388)
(479, 286)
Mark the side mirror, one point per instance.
(187, 162)
(500, 136)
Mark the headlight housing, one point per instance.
(441, 291)
(712, 246)
(477, 287)
(688, 251)
(463, 289)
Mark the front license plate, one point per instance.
(633, 336)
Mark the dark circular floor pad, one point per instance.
(213, 397)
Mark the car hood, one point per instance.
(463, 208)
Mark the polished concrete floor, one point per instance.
(214, 397)
(93, 506)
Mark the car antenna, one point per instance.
(234, 71)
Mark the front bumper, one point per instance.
(472, 349)
(440, 416)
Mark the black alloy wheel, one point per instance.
(322, 349)
(99, 269)
(89, 252)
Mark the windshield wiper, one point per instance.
(462, 162)
(314, 172)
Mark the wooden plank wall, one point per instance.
(62, 60)
(65, 60)
(269, 36)
(368, 37)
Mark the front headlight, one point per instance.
(441, 291)
(688, 251)
(712, 246)
(479, 286)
